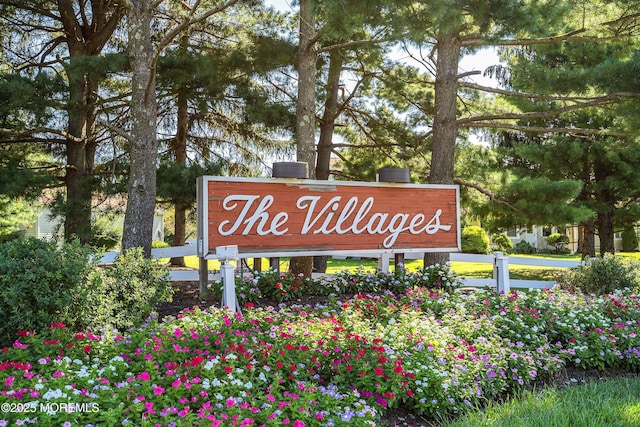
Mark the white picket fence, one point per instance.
(500, 280)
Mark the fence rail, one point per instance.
(500, 280)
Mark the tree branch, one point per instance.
(590, 102)
(190, 20)
(117, 130)
(485, 191)
(542, 130)
(571, 35)
(354, 43)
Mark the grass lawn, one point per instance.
(614, 402)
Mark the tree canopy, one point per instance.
(101, 94)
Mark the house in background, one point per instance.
(46, 226)
(536, 236)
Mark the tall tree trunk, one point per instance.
(306, 110)
(81, 127)
(604, 218)
(445, 129)
(83, 41)
(306, 104)
(328, 121)
(588, 233)
(327, 126)
(180, 151)
(606, 232)
(138, 220)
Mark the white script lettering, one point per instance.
(334, 216)
(261, 215)
(378, 222)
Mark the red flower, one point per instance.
(87, 348)
(228, 369)
(379, 371)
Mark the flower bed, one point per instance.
(343, 363)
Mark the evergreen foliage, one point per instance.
(602, 275)
(558, 241)
(501, 242)
(474, 240)
(524, 247)
(14, 217)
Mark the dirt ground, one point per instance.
(187, 295)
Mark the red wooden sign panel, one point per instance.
(291, 215)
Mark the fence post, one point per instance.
(203, 269)
(383, 262)
(501, 272)
(229, 298)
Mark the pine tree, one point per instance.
(65, 38)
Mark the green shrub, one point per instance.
(602, 275)
(523, 247)
(502, 243)
(157, 244)
(474, 240)
(45, 282)
(629, 240)
(558, 241)
(38, 284)
(129, 291)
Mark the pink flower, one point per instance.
(230, 402)
(58, 374)
(144, 376)
(9, 381)
(149, 407)
(177, 333)
(157, 390)
(19, 345)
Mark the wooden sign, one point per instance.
(287, 217)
